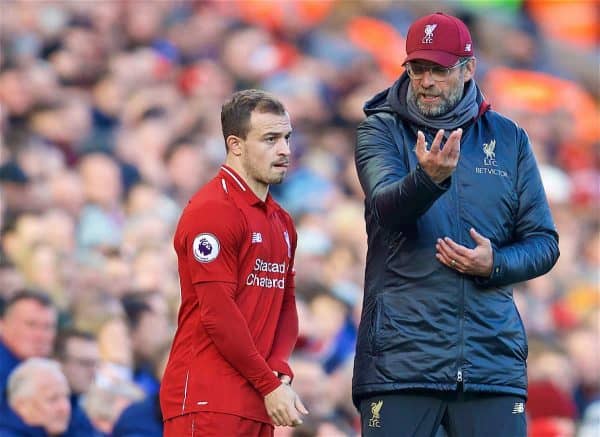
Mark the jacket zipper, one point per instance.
(374, 336)
(461, 320)
(461, 312)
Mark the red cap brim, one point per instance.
(442, 58)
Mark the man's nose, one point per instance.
(427, 80)
(284, 147)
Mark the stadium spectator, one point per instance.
(144, 417)
(79, 356)
(149, 331)
(37, 401)
(28, 329)
(105, 401)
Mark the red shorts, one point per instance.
(215, 425)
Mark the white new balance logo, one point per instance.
(256, 237)
(518, 408)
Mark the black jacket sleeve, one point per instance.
(397, 194)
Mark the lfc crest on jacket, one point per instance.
(490, 154)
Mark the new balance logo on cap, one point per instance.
(256, 237)
(518, 408)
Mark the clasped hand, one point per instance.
(284, 406)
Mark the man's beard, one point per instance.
(446, 104)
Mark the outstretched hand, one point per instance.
(439, 163)
(477, 261)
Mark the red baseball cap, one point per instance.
(438, 38)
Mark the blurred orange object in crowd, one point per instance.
(277, 15)
(381, 40)
(575, 22)
(583, 299)
(542, 93)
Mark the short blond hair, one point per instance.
(99, 401)
(23, 379)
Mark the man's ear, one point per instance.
(470, 69)
(20, 406)
(234, 145)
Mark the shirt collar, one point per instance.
(233, 182)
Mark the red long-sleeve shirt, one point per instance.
(237, 321)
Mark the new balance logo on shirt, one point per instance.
(256, 237)
(518, 408)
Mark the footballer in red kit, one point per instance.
(237, 323)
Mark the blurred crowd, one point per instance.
(110, 120)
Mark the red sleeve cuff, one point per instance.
(281, 367)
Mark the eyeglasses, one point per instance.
(438, 73)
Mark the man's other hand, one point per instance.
(477, 261)
(284, 406)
